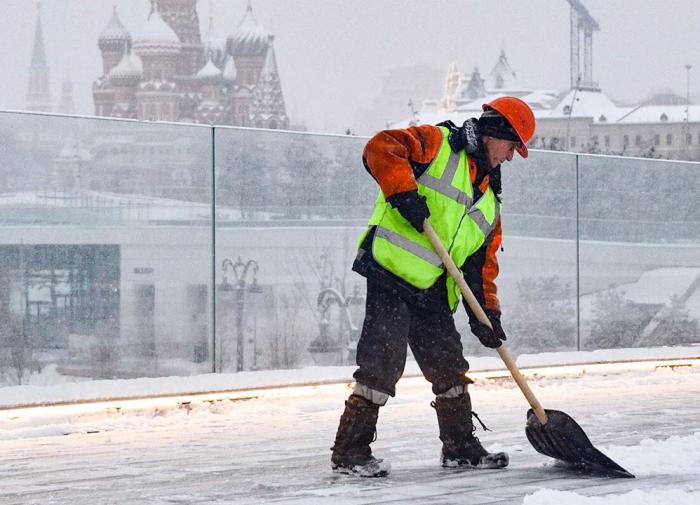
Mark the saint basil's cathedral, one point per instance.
(168, 72)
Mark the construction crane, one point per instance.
(582, 21)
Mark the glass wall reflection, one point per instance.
(290, 208)
(639, 252)
(108, 267)
(537, 280)
(104, 251)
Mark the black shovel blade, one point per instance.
(563, 439)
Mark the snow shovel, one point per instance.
(551, 432)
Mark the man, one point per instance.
(452, 175)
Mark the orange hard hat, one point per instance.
(519, 115)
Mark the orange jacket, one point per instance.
(395, 158)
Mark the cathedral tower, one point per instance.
(39, 91)
(66, 105)
(158, 47)
(113, 42)
(269, 109)
(248, 45)
(182, 17)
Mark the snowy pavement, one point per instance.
(274, 449)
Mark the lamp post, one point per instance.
(687, 93)
(325, 349)
(687, 108)
(240, 273)
(356, 310)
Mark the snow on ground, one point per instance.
(654, 497)
(275, 448)
(39, 393)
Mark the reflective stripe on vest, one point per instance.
(443, 185)
(478, 217)
(423, 253)
(460, 223)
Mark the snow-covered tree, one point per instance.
(544, 318)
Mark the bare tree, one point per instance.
(285, 345)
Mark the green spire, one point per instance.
(38, 53)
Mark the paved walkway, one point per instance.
(275, 450)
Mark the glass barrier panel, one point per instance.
(639, 252)
(290, 208)
(537, 279)
(105, 250)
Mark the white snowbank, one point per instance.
(636, 497)
(97, 390)
(682, 453)
(673, 456)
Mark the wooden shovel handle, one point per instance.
(473, 303)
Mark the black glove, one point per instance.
(488, 337)
(411, 206)
(463, 137)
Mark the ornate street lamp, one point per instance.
(326, 349)
(238, 288)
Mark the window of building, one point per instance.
(689, 138)
(594, 140)
(657, 139)
(625, 140)
(150, 112)
(637, 140)
(607, 141)
(669, 139)
(573, 143)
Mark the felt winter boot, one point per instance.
(357, 428)
(459, 445)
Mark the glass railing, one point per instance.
(105, 266)
(289, 209)
(111, 265)
(639, 235)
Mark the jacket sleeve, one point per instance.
(392, 155)
(480, 271)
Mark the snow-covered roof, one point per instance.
(502, 77)
(428, 114)
(157, 85)
(214, 46)
(660, 285)
(128, 208)
(156, 30)
(587, 103)
(230, 69)
(129, 67)
(661, 114)
(115, 30)
(541, 99)
(209, 72)
(250, 38)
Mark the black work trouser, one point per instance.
(391, 323)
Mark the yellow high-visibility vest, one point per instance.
(461, 223)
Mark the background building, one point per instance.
(581, 119)
(169, 72)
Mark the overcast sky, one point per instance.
(332, 53)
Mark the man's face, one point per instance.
(498, 150)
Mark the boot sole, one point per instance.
(489, 465)
(382, 470)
